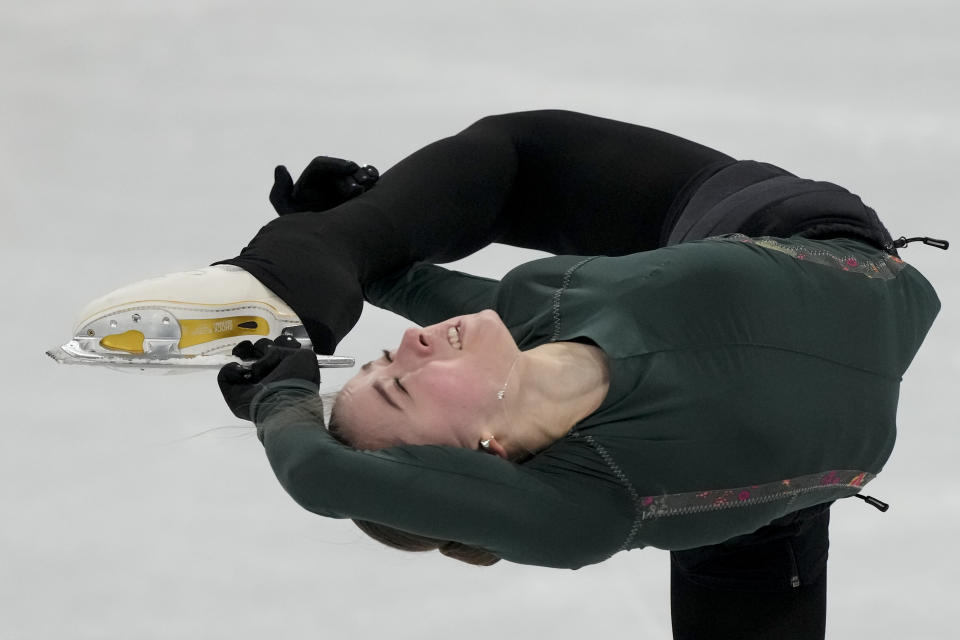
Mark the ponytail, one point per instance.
(404, 541)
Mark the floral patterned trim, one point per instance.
(885, 268)
(679, 504)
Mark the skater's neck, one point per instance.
(549, 390)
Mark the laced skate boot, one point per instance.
(190, 318)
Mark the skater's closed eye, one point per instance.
(369, 365)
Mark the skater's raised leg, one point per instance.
(557, 181)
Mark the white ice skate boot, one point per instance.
(185, 319)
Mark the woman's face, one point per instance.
(438, 387)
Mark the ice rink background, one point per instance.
(139, 138)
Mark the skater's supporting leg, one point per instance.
(771, 584)
(557, 181)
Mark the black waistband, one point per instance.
(761, 199)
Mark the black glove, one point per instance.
(279, 359)
(325, 183)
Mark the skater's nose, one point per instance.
(415, 345)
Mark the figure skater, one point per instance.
(710, 359)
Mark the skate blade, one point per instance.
(73, 353)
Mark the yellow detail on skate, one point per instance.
(194, 332)
(129, 341)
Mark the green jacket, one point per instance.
(748, 378)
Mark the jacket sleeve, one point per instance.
(526, 514)
(427, 294)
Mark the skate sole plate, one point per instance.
(72, 353)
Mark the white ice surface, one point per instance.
(139, 138)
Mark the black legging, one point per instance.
(771, 583)
(569, 183)
(557, 181)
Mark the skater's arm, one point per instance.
(523, 513)
(427, 294)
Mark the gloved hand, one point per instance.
(325, 183)
(279, 359)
